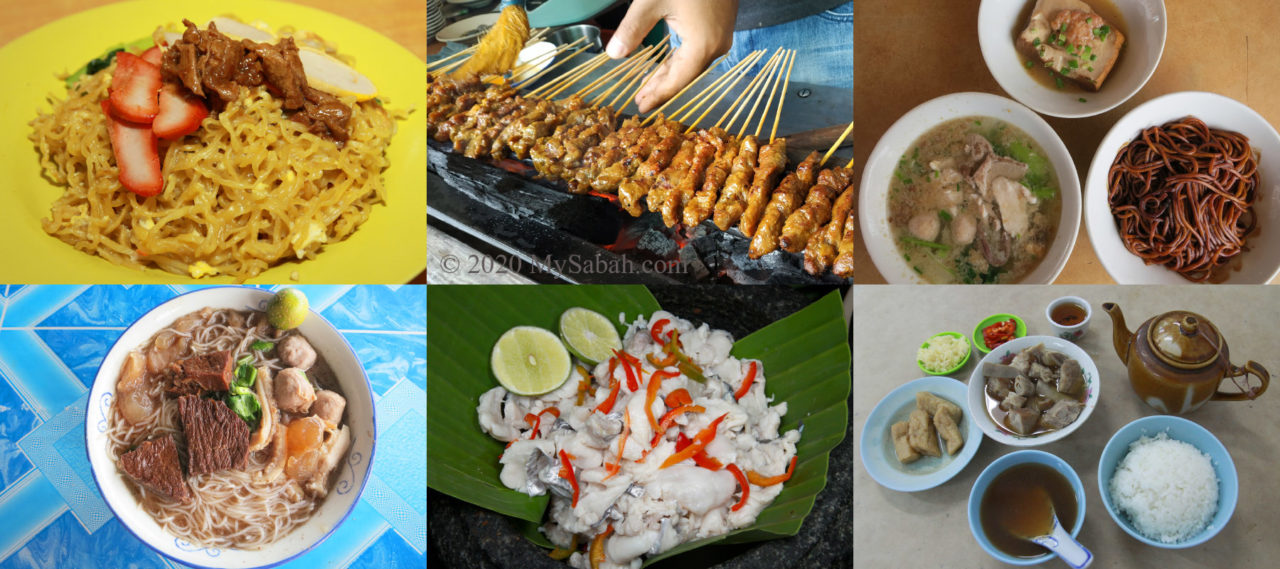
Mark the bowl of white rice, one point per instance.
(1168, 482)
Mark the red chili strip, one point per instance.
(742, 482)
(566, 472)
(746, 383)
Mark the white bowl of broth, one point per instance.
(1259, 262)
(1007, 504)
(922, 170)
(987, 413)
(301, 522)
(1143, 23)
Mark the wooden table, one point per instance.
(929, 529)
(404, 21)
(910, 51)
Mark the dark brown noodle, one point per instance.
(1182, 196)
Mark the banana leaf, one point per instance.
(806, 362)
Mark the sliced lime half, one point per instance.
(589, 335)
(528, 360)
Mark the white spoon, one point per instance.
(1059, 541)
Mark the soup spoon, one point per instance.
(1059, 541)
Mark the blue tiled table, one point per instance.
(52, 339)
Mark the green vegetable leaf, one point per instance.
(261, 346)
(922, 243)
(944, 214)
(246, 406)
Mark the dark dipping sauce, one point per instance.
(1068, 314)
(1013, 507)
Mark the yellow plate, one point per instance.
(390, 247)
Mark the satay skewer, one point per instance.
(850, 163)
(570, 74)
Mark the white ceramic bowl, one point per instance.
(1145, 28)
(977, 384)
(873, 193)
(352, 475)
(1261, 262)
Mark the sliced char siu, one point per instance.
(216, 438)
(154, 465)
(196, 375)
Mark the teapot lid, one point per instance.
(1185, 340)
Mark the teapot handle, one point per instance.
(1247, 369)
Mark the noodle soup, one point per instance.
(227, 431)
(974, 200)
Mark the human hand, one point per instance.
(705, 28)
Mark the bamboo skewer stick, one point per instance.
(617, 69)
(595, 64)
(764, 86)
(786, 85)
(636, 71)
(563, 61)
(740, 102)
(742, 73)
(686, 88)
(569, 77)
(647, 74)
(708, 91)
(440, 62)
(837, 144)
(850, 164)
(769, 102)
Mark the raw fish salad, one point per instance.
(670, 440)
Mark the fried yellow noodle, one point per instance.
(248, 190)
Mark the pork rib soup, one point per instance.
(974, 200)
(226, 429)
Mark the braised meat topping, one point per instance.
(213, 66)
(154, 465)
(216, 438)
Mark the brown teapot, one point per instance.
(1177, 360)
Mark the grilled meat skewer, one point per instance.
(773, 162)
(816, 211)
(786, 198)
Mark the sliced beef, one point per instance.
(1062, 413)
(214, 66)
(217, 439)
(196, 375)
(154, 465)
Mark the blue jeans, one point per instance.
(823, 44)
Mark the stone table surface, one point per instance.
(910, 51)
(930, 527)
